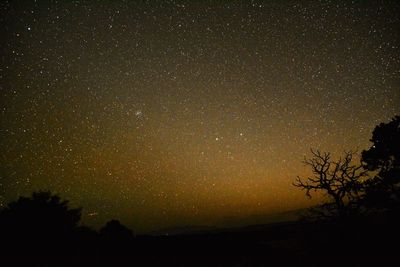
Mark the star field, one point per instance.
(164, 113)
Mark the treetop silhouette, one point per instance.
(383, 158)
(41, 211)
(372, 185)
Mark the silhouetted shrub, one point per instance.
(38, 229)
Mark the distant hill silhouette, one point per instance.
(189, 229)
(286, 216)
(231, 223)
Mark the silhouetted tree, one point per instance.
(117, 243)
(115, 231)
(341, 181)
(383, 158)
(41, 212)
(39, 227)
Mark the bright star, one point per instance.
(138, 113)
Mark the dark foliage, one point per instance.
(41, 230)
(383, 158)
(353, 189)
(41, 212)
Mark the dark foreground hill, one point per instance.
(367, 241)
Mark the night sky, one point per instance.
(167, 113)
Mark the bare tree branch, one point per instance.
(341, 180)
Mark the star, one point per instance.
(138, 113)
(150, 107)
